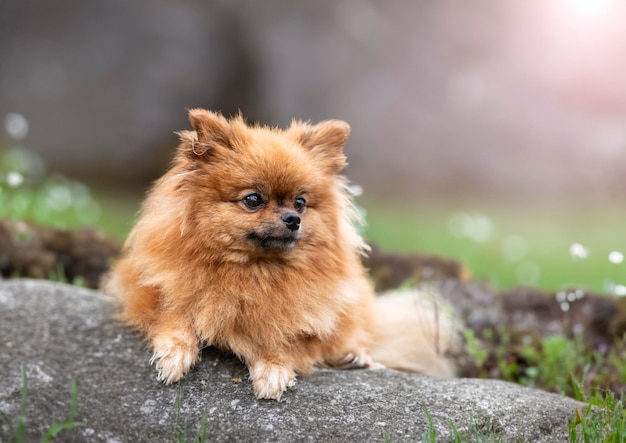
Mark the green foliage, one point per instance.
(70, 423)
(475, 348)
(430, 433)
(618, 358)
(59, 275)
(20, 432)
(549, 363)
(28, 192)
(19, 435)
(604, 420)
(478, 432)
(456, 436)
(552, 365)
(182, 433)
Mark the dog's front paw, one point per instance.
(173, 357)
(271, 380)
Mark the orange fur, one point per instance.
(202, 267)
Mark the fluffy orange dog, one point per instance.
(249, 244)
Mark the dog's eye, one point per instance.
(299, 204)
(253, 201)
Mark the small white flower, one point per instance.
(616, 257)
(578, 251)
(15, 179)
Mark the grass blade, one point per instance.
(20, 432)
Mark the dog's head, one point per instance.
(255, 191)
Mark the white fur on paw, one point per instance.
(171, 359)
(375, 366)
(270, 381)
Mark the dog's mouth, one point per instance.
(275, 242)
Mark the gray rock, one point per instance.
(57, 333)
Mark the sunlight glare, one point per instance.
(590, 9)
(584, 13)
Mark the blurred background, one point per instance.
(488, 131)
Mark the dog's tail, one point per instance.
(416, 331)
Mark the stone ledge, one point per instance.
(59, 332)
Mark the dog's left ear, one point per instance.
(326, 140)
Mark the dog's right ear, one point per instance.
(211, 131)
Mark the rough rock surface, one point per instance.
(57, 333)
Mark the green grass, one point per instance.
(510, 246)
(603, 420)
(182, 432)
(19, 433)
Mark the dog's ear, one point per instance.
(211, 131)
(210, 126)
(326, 141)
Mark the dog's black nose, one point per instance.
(291, 220)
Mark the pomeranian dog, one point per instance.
(249, 244)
